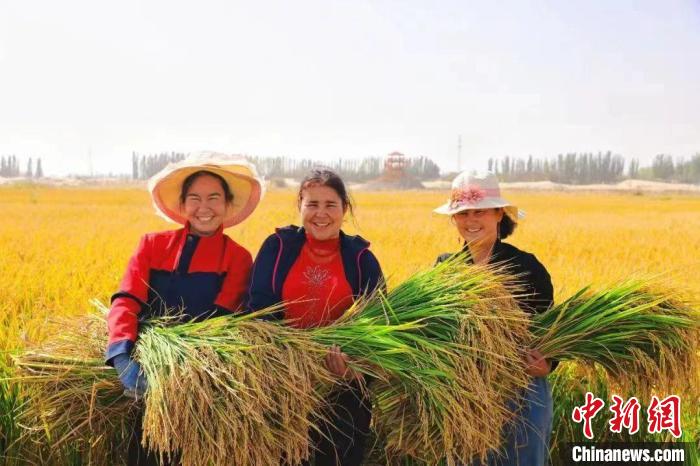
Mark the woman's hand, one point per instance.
(537, 365)
(131, 376)
(337, 363)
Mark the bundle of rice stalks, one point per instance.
(444, 348)
(76, 401)
(231, 390)
(638, 334)
(639, 331)
(444, 379)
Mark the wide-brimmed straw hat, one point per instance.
(477, 190)
(242, 178)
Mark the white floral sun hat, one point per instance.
(240, 175)
(477, 190)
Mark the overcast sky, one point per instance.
(83, 80)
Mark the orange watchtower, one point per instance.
(394, 166)
(395, 176)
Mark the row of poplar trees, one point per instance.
(9, 168)
(356, 170)
(586, 168)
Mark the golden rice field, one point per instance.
(62, 247)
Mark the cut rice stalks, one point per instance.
(76, 401)
(644, 336)
(240, 391)
(443, 348)
(449, 374)
(231, 390)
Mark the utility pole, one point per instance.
(459, 153)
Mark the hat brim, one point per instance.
(490, 203)
(240, 176)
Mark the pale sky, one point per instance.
(325, 79)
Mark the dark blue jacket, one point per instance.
(202, 276)
(279, 252)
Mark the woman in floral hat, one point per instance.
(483, 219)
(196, 269)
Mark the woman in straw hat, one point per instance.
(318, 271)
(483, 218)
(196, 269)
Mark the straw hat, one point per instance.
(242, 178)
(477, 190)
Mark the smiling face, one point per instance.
(204, 205)
(322, 211)
(479, 226)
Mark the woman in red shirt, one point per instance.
(318, 271)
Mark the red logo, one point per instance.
(661, 415)
(587, 412)
(625, 415)
(665, 415)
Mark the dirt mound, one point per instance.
(397, 184)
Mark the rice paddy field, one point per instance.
(60, 248)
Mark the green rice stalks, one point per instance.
(638, 331)
(445, 376)
(444, 347)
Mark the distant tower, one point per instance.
(395, 165)
(396, 174)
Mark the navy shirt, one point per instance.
(532, 275)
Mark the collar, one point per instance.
(297, 235)
(218, 234)
(332, 244)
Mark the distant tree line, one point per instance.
(355, 170)
(9, 168)
(667, 168)
(586, 168)
(570, 168)
(145, 166)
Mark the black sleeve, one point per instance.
(442, 258)
(374, 277)
(543, 291)
(538, 286)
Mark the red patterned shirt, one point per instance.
(316, 291)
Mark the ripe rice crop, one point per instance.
(62, 247)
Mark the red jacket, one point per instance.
(202, 276)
